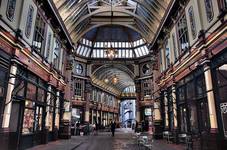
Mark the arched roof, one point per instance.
(124, 75)
(143, 16)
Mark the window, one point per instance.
(28, 121)
(79, 69)
(10, 11)
(183, 34)
(28, 26)
(174, 47)
(146, 69)
(39, 35)
(209, 10)
(78, 88)
(48, 45)
(192, 22)
(56, 56)
(167, 53)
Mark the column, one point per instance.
(101, 117)
(138, 98)
(92, 118)
(57, 111)
(48, 108)
(8, 102)
(87, 93)
(166, 110)
(175, 123)
(210, 97)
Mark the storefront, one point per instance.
(30, 110)
(192, 104)
(4, 78)
(219, 69)
(4, 74)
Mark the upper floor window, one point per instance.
(174, 46)
(79, 69)
(78, 88)
(192, 22)
(225, 3)
(183, 33)
(48, 45)
(167, 53)
(28, 27)
(56, 56)
(209, 10)
(10, 11)
(39, 35)
(146, 69)
(161, 62)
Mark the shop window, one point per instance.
(193, 118)
(28, 121)
(192, 22)
(183, 34)
(209, 10)
(38, 118)
(221, 73)
(28, 26)
(183, 119)
(10, 11)
(39, 35)
(41, 95)
(31, 92)
(56, 56)
(204, 124)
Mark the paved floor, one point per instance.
(123, 140)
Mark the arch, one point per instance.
(80, 35)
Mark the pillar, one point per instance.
(175, 123)
(87, 97)
(92, 118)
(166, 110)
(138, 98)
(57, 111)
(8, 102)
(48, 108)
(210, 97)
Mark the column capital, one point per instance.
(205, 62)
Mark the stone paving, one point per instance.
(123, 140)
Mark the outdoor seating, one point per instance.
(168, 136)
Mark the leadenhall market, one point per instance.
(113, 74)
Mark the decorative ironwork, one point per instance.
(209, 10)
(10, 11)
(29, 21)
(192, 22)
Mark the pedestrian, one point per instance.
(113, 126)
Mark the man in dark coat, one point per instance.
(113, 126)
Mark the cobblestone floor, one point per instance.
(123, 140)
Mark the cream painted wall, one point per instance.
(23, 20)
(197, 18)
(205, 23)
(15, 22)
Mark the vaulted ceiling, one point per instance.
(109, 71)
(142, 16)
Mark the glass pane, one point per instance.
(28, 121)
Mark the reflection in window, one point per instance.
(28, 121)
(38, 41)
(183, 34)
(56, 56)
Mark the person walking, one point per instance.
(113, 126)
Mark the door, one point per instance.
(38, 125)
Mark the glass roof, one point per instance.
(91, 49)
(142, 16)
